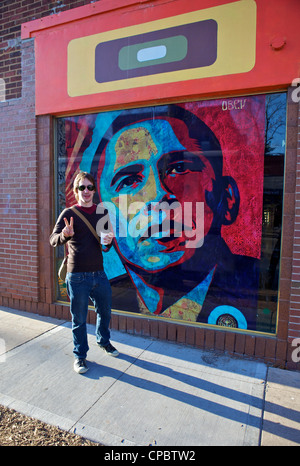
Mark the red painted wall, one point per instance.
(277, 60)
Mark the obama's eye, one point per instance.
(180, 164)
(131, 181)
(128, 177)
(178, 168)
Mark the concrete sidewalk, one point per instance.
(154, 393)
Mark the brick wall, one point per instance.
(12, 14)
(18, 189)
(294, 311)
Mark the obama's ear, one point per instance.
(224, 200)
(231, 200)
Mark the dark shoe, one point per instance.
(110, 349)
(80, 366)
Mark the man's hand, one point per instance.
(106, 238)
(68, 230)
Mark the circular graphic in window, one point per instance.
(227, 316)
(227, 320)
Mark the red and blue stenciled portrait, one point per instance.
(183, 189)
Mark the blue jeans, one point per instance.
(80, 287)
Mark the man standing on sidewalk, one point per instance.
(85, 275)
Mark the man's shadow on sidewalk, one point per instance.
(98, 371)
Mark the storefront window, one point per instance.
(194, 193)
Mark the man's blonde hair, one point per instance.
(79, 178)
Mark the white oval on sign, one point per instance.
(152, 53)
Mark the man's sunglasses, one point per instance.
(90, 187)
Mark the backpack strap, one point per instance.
(92, 229)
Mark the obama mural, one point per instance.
(195, 213)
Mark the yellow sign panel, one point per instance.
(216, 41)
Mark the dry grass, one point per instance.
(19, 430)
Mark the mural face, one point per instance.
(149, 175)
(193, 194)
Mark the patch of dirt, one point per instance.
(16, 429)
